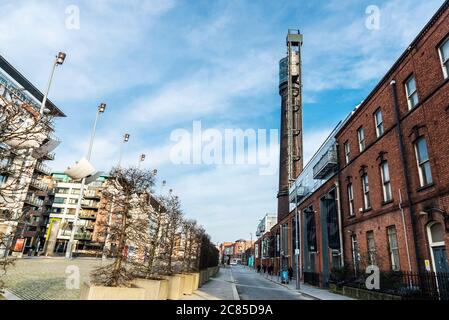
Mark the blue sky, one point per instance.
(160, 65)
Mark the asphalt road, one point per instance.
(252, 286)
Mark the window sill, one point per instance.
(384, 203)
(425, 187)
(351, 217)
(367, 210)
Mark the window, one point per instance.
(379, 123)
(422, 157)
(355, 252)
(361, 135)
(386, 184)
(394, 250)
(366, 198)
(3, 178)
(62, 190)
(371, 245)
(59, 200)
(444, 55)
(73, 201)
(347, 152)
(412, 93)
(351, 199)
(76, 191)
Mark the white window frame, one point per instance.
(350, 190)
(366, 196)
(394, 251)
(347, 152)
(379, 125)
(444, 63)
(421, 164)
(361, 137)
(411, 94)
(372, 252)
(386, 183)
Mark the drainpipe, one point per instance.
(404, 164)
(340, 225)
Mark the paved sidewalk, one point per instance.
(308, 290)
(221, 287)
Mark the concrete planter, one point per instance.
(204, 276)
(189, 285)
(175, 286)
(92, 292)
(196, 280)
(155, 289)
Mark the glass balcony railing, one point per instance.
(34, 201)
(39, 185)
(83, 236)
(42, 168)
(327, 164)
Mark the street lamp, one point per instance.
(141, 159)
(60, 58)
(125, 140)
(68, 253)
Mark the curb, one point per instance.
(299, 291)
(9, 296)
(234, 288)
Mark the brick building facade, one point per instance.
(380, 188)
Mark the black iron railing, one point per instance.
(422, 285)
(312, 278)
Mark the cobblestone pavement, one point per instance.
(45, 278)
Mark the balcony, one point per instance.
(49, 156)
(34, 201)
(39, 185)
(87, 236)
(92, 194)
(327, 164)
(42, 168)
(89, 204)
(88, 215)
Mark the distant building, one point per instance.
(28, 171)
(62, 216)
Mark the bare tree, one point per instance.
(189, 230)
(127, 198)
(157, 228)
(22, 132)
(174, 218)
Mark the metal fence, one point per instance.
(312, 278)
(423, 285)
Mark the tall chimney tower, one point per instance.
(290, 90)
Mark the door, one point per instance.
(440, 257)
(442, 271)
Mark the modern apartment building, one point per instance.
(62, 216)
(23, 172)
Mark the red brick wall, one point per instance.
(431, 117)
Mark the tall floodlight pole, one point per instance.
(60, 58)
(107, 241)
(125, 140)
(141, 160)
(69, 251)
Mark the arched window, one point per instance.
(436, 233)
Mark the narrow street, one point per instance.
(252, 286)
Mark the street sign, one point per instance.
(297, 252)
